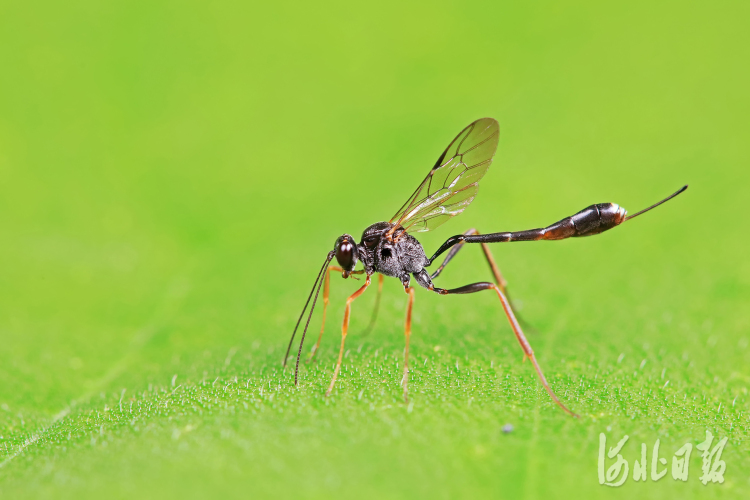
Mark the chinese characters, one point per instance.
(713, 467)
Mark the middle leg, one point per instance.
(407, 332)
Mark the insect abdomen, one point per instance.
(589, 221)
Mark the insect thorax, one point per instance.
(396, 258)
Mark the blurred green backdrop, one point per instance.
(172, 174)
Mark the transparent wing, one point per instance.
(451, 185)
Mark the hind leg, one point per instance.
(499, 280)
(527, 350)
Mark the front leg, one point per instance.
(326, 292)
(344, 329)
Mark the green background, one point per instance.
(173, 173)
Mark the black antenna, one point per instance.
(683, 188)
(289, 347)
(309, 317)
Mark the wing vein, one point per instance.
(452, 184)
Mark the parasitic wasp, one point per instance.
(390, 249)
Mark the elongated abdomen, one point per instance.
(589, 221)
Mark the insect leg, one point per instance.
(326, 290)
(377, 306)
(499, 280)
(344, 329)
(478, 287)
(407, 333)
(487, 254)
(452, 253)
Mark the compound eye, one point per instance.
(346, 253)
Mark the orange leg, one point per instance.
(407, 333)
(499, 280)
(527, 347)
(495, 270)
(326, 290)
(527, 350)
(344, 329)
(377, 306)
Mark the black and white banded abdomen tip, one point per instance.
(591, 220)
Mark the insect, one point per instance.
(390, 249)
